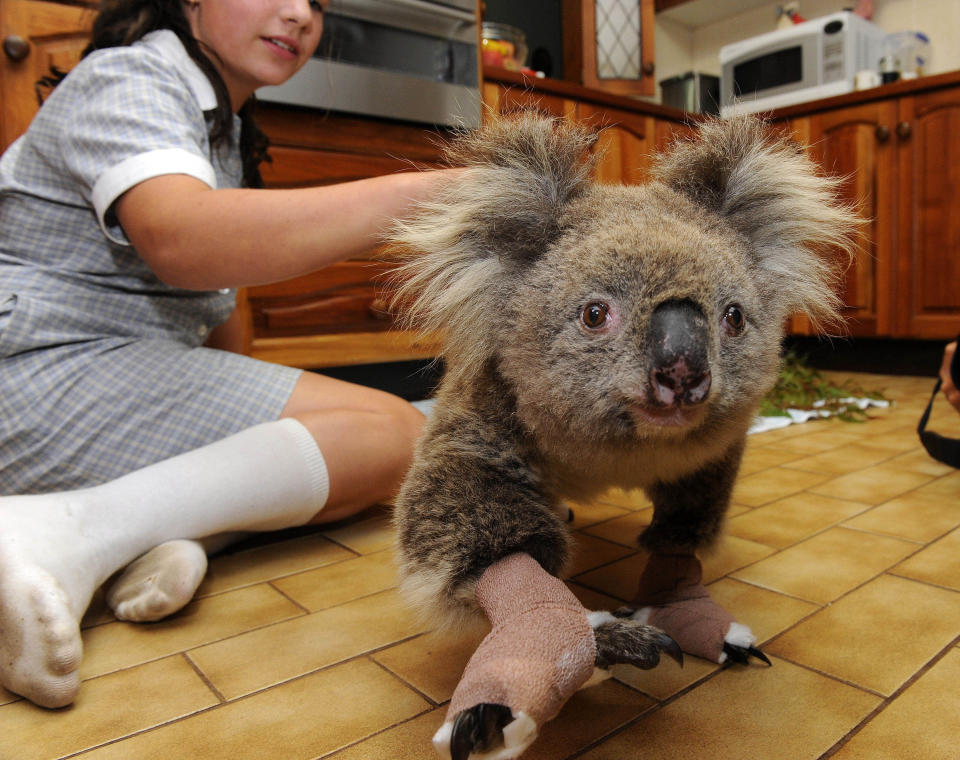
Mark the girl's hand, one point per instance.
(949, 389)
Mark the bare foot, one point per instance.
(159, 583)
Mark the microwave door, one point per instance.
(780, 68)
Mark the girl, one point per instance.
(129, 213)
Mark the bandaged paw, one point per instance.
(672, 598)
(540, 650)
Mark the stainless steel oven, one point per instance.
(414, 60)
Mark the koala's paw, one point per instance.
(622, 640)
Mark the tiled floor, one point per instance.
(842, 552)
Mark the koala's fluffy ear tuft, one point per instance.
(499, 214)
(769, 191)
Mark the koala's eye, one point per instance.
(594, 314)
(733, 320)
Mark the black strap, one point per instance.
(946, 450)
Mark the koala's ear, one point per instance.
(500, 213)
(769, 191)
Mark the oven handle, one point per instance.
(440, 10)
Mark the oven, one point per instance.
(413, 60)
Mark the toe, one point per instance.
(479, 728)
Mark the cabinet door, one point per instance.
(858, 145)
(36, 36)
(928, 256)
(626, 141)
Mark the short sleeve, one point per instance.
(134, 117)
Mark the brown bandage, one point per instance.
(676, 602)
(540, 651)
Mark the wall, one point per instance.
(681, 48)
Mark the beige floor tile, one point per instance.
(301, 720)
(779, 713)
(6, 697)
(618, 497)
(624, 530)
(668, 678)
(844, 460)
(825, 567)
(939, 563)
(902, 437)
(923, 723)
(731, 553)
(590, 714)
(776, 483)
(760, 458)
(595, 512)
(589, 552)
(277, 653)
(338, 583)
(789, 520)
(618, 580)
(834, 436)
(873, 485)
(766, 612)
(365, 536)
(165, 690)
(432, 663)
(273, 560)
(920, 461)
(593, 600)
(913, 516)
(947, 487)
(878, 636)
(411, 740)
(122, 645)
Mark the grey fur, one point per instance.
(535, 406)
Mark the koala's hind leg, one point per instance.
(688, 515)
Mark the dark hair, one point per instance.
(123, 22)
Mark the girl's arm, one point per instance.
(198, 238)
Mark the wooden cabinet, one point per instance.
(629, 136)
(854, 143)
(927, 267)
(36, 36)
(898, 158)
(341, 314)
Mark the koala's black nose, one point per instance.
(680, 369)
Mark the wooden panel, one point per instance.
(57, 35)
(626, 140)
(856, 145)
(580, 49)
(928, 261)
(313, 351)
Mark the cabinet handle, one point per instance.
(648, 68)
(16, 47)
(883, 133)
(904, 130)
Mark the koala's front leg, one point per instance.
(688, 515)
(476, 532)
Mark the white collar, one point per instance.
(169, 46)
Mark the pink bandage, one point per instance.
(674, 600)
(540, 651)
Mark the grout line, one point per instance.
(203, 677)
(889, 700)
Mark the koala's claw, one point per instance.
(633, 643)
(741, 655)
(478, 728)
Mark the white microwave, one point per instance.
(807, 61)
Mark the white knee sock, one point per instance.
(61, 547)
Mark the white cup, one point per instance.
(864, 80)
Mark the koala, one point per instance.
(597, 336)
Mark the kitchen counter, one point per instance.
(586, 94)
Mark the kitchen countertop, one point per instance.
(578, 92)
